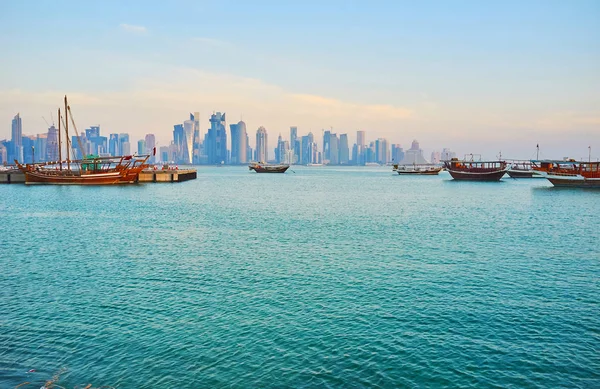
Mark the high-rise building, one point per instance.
(178, 141)
(113, 144)
(239, 143)
(141, 147)
(382, 151)
(334, 152)
(17, 138)
(52, 144)
(262, 145)
(360, 138)
(124, 139)
(397, 153)
(436, 157)
(3, 154)
(197, 149)
(150, 142)
(215, 142)
(414, 155)
(293, 140)
(282, 151)
(307, 149)
(447, 155)
(344, 151)
(326, 146)
(187, 146)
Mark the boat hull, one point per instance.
(477, 176)
(523, 174)
(270, 169)
(419, 173)
(112, 178)
(574, 182)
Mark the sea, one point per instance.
(322, 277)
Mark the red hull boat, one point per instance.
(470, 170)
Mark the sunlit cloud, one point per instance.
(133, 29)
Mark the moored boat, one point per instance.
(414, 169)
(267, 168)
(522, 169)
(471, 170)
(570, 173)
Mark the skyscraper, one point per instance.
(178, 141)
(113, 144)
(360, 138)
(239, 143)
(262, 145)
(293, 139)
(382, 151)
(150, 141)
(17, 138)
(326, 146)
(414, 154)
(197, 142)
(141, 147)
(344, 151)
(334, 152)
(52, 144)
(187, 149)
(397, 153)
(215, 143)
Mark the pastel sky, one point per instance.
(475, 76)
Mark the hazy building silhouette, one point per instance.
(113, 144)
(262, 153)
(414, 155)
(382, 155)
(239, 143)
(344, 151)
(215, 142)
(52, 144)
(17, 138)
(397, 153)
(150, 144)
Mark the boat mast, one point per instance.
(59, 141)
(589, 153)
(67, 134)
(537, 157)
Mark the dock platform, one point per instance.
(146, 176)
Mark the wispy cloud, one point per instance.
(211, 42)
(133, 29)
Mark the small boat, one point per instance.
(267, 168)
(471, 170)
(414, 169)
(522, 169)
(570, 173)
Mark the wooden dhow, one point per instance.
(268, 168)
(469, 169)
(90, 170)
(570, 173)
(417, 169)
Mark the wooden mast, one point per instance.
(67, 134)
(59, 142)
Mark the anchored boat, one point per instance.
(417, 169)
(471, 170)
(570, 173)
(267, 168)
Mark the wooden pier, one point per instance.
(17, 177)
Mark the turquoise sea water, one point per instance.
(322, 277)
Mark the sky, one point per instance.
(478, 77)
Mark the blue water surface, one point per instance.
(320, 277)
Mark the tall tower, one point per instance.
(262, 153)
(17, 138)
(360, 138)
(216, 139)
(239, 143)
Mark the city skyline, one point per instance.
(514, 75)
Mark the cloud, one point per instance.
(133, 29)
